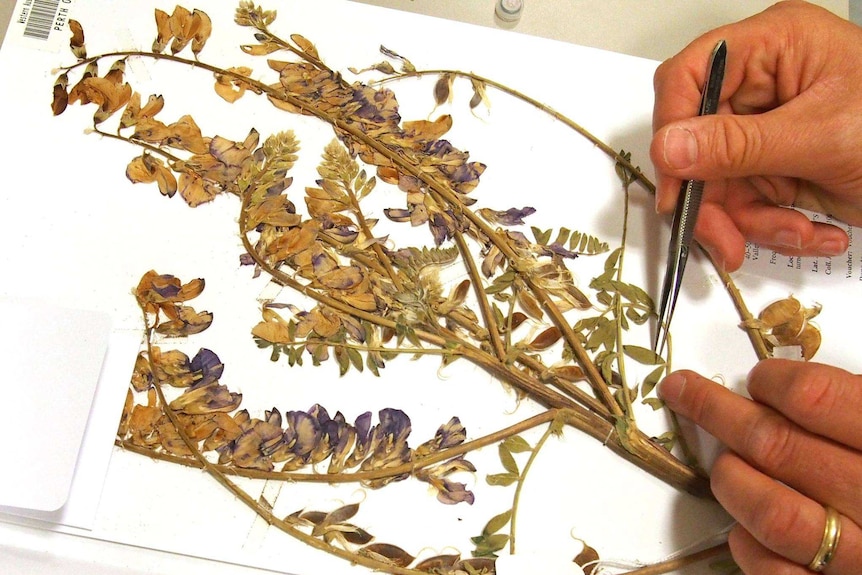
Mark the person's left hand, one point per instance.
(794, 449)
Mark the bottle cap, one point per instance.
(509, 10)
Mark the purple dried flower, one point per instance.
(448, 435)
(448, 491)
(510, 217)
(208, 364)
(557, 249)
(302, 433)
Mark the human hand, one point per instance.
(794, 449)
(788, 133)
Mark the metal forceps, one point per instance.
(687, 206)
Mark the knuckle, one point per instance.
(772, 522)
(736, 143)
(815, 396)
(698, 401)
(661, 73)
(771, 443)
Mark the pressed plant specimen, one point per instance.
(360, 298)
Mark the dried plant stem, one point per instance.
(754, 334)
(618, 313)
(516, 499)
(492, 329)
(680, 562)
(378, 250)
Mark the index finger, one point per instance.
(821, 398)
(816, 466)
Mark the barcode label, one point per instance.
(41, 19)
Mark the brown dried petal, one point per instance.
(195, 191)
(305, 45)
(443, 88)
(229, 87)
(164, 34)
(810, 340)
(147, 169)
(185, 134)
(344, 278)
(780, 312)
(61, 96)
(188, 322)
(273, 328)
(201, 29)
(110, 96)
(438, 564)
(387, 553)
(181, 28)
(207, 399)
(77, 41)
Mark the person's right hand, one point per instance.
(788, 133)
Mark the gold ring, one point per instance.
(829, 543)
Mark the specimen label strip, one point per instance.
(41, 19)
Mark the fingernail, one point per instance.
(670, 388)
(788, 239)
(831, 248)
(680, 148)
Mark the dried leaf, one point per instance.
(342, 514)
(480, 94)
(497, 522)
(517, 444)
(586, 559)
(643, 355)
(509, 463)
(502, 479)
(570, 373)
(487, 546)
(651, 380)
(545, 339)
(443, 89)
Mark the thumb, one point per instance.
(731, 146)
